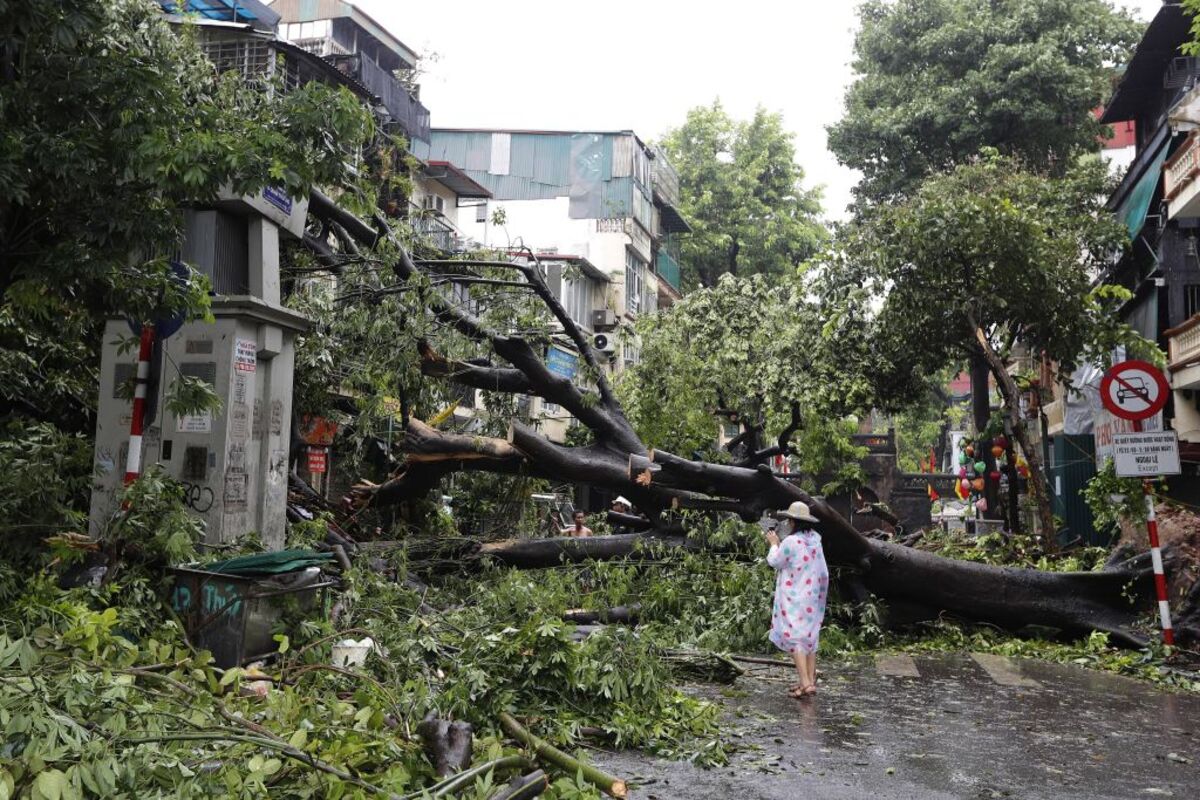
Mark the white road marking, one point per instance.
(1003, 671)
(898, 666)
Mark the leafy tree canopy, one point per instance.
(752, 347)
(110, 122)
(741, 191)
(991, 245)
(940, 79)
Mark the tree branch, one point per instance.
(477, 376)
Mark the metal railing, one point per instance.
(666, 179)
(433, 230)
(1182, 167)
(1185, 343)
(405, 110)
(667, 268)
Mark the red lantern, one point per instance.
(997, 451)
(1002, 441)
(978, 484)
(970, 450)
(994, 474)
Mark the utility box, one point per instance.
(233, 462)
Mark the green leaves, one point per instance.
(741, 191)
(994, 245)
(940, 79)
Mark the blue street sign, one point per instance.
(562, 362)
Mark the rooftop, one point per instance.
(250, 12)
(1142, 83)
(313, 10)
(454, 179)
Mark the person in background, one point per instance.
(578, 528)
(801, 588)
(620, 506)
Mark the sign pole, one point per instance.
(133, 459)
(1160, 577)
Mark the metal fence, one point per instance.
(408, 112)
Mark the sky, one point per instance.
(640, 65)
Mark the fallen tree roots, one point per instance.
(611, 786)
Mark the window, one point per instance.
(632, 353)
(634, 281)
(1191, 300)
(577, 298)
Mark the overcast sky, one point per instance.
(639, 65)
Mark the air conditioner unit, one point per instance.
(605, 343)
(603, 319)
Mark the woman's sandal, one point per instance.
(809, 690)
(798, 691)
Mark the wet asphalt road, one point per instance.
(939, 726)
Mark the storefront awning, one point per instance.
(1133, 209)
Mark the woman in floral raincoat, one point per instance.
(801, 588)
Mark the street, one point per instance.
(943, 726)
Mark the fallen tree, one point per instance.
(660, 483)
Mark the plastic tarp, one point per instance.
(1081, 401)
(1136, 205)
(271, 563)
(587, 168)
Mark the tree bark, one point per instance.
(981, 413)
(1012, 408)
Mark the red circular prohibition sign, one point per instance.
(1128, 379)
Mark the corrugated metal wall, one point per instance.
(592, 169)
(1073, 463)
(217, 244)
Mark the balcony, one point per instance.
(1184, 368)
(666, 179)
(1180, 187)
(407, 112)
(667, 268)
(433, 230)
(1184, 354)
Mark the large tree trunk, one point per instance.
(658, 482)
(981, 415)
(1012, 408)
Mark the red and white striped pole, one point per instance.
(1160, 577)
(133, 460)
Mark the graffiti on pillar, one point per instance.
(198, 498)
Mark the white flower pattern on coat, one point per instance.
(801, 588)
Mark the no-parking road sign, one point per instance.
(1134, 390)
